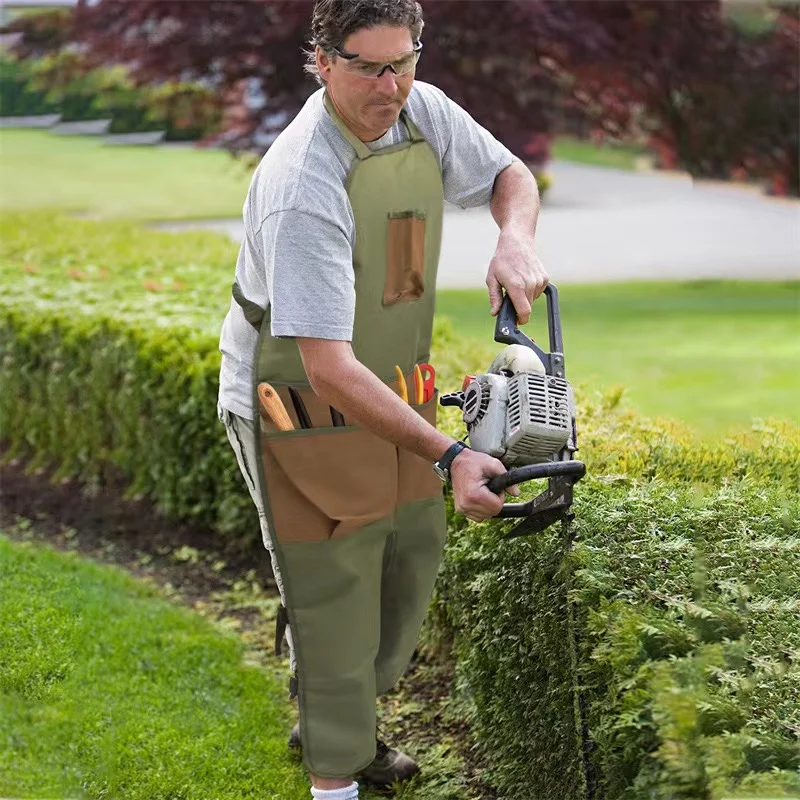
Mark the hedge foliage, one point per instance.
(60, 84)
(679, 590)
(684, 607)
(18, 98)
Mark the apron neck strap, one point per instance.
(362, 151)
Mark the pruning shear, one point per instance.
(427, 378)
(424, 379)
(402, 388)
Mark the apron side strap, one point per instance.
(253, 313)
(280, 628)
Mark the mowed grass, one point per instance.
(81, 175)
(715, 354)
(568, 148)
(108, 691)
(39, 170)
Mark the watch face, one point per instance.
(440, 472)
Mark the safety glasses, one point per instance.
(401, 64)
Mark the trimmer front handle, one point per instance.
(549, 506)
(573, 470)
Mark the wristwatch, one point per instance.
(442, 466)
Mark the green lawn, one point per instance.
(715, 355)
(568, 148)
(105, 686)
(79, 174)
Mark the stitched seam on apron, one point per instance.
(392, 538)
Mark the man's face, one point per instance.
(369, 106)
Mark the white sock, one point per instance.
(348, 793)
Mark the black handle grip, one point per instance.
(300, 408)
(506, 330)
(452, 399)
(530, 472)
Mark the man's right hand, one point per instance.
(469, 474)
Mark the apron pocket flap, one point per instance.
(347, 475)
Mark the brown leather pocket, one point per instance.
(417, 480)
(405, 257)
(327, 483)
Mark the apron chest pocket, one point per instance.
(324, 484)
(405, 257)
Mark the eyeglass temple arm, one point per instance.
(351, 56)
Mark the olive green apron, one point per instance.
(358, 524)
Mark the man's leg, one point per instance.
(240, 436)
(329, 783)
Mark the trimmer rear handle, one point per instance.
(506, 331)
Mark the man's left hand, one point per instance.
(516, 268)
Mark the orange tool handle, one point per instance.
(272, 408)
(419, 385)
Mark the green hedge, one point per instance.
(17, 97)
(685, 612)
(680, 589)
(57, 84)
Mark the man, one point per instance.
(335, 287)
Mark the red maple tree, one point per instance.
(676, 74)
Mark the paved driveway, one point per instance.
(601, 224)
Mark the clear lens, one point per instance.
(401, 65)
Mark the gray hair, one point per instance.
(334, 20)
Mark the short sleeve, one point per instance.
(472, 159)
(310, 279)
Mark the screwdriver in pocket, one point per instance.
(300, 408)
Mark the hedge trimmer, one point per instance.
(522, 412)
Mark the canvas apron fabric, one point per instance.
(358, 524)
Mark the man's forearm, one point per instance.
(515, 201)
(365, 400)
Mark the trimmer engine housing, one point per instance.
(520, 419)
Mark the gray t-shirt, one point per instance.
(297, 254)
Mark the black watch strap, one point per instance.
(443, 464)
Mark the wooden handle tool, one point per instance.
(272, 407)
